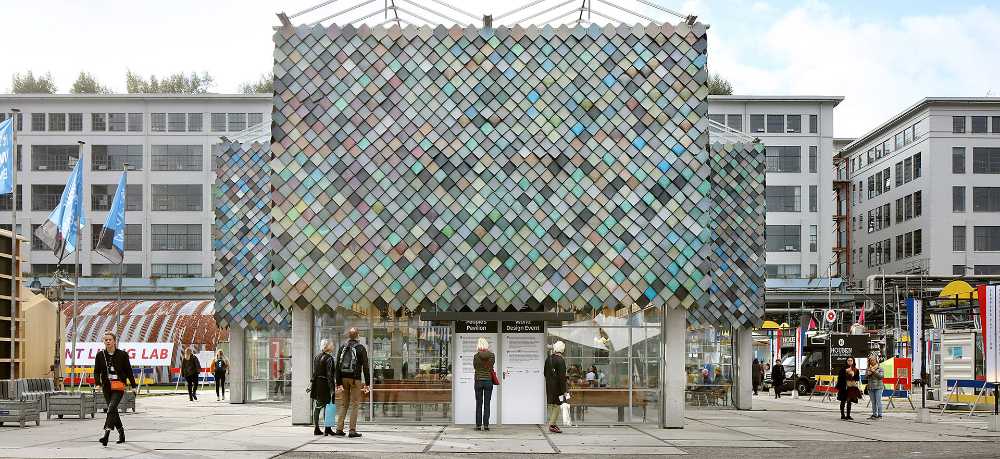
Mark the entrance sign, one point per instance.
(914, 317)
(139, 354)
(521, 380)
(475, 326)
(830, 315)
(463, 391)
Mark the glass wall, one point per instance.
(269, 365)
(709, 366)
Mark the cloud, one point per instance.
(880, 67)
(760, 7)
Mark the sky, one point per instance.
(881, 55)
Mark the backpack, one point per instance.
(349, 360)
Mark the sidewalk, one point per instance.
(170, 426)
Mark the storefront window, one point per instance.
(709, 365)
(269, 365)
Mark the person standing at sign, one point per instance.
(220, 366)
(556, 390)
(111, 369)
(352, 364)
(847, 388)
(483, 363)
(190, 369)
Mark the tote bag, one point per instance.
(331, 414)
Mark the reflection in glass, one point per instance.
(269, 365)
(709, 366)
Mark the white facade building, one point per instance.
(798, 134)
(925, 190)
(166, 141)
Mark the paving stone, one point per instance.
(622, 450)
(494, 446)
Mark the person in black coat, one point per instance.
(757, 374)
(777, 377)
(191, 369)
(321, 389)
(112, 364)
(847, 388)
(556, 390)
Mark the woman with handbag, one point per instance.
(321, 389)
(111, 369)
(485, 378)
(556, 388)
(847, 388)
(191, 369)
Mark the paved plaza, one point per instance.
(170, 426)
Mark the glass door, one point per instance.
(411, 369)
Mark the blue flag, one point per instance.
(7, 156)
(61, 228)
(111, 243)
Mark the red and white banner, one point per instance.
(989, 313)
(139, 354)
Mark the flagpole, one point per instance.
(121, 263)
(76, 288)
(15, 293)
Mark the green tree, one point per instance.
(87, 84)
(264, 85)
(29, 84)
(718, 86)
(178, 83)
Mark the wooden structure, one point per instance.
(12, 329)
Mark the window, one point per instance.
(813, 198)
(908, 206)
(783, 271)
(957, 160)
(958, 199)
(886, 182)
(908, 245)
(916, 166)
(918, 203)
(735, 122)
(794, 124)
(194, 122)
(20, 120)
(176, 270)
(812, 238)
(175, 237)
(885, 148)
(135, 122)
(177, 197)
(45, 197)
(908, 170)
(985, 199)
(813, 124)
(158, 122)
(783, 159)
(879, 183)
(985, 160)
(5, 201)
(886, 251)
(237, 122)
(986, 270)
(107, 270)
(47, 269)
(721, 119)
(176, 157)
(257, 118)
(871, 155)
(176, 122)
(899, 210)
(98, 122)
(899, 173)
(958, 239)
(54, 157)
(995, 121)
(812, 159)
(958, 124)
(899, 247)
(38, 122)
(783, 198)
(813, 271)
(219, 122)
(871, 186)
(115, 157)
(886, 216)
(784, 238)
(57, 121)
(133, 236)
(117, 122)
(897, 141)
(958, 270)
(978, 124)
(917, 243)
(907, 136)
(101, 197)
(75, 122)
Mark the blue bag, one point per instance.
(331, 414)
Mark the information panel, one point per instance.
(522, 381)
(467, 334)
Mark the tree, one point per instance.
(718, 86)
(87, 84)
(28, 84)
(178, 83)
(265, 85)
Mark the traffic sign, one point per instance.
(830, 315)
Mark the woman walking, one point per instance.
(111, 370)
(556, 392)
(220, 366)
(322, 384)
(190, 369)
(778, 377)
(875, 385)
(483, 364)
(758, 375)
(847, 388)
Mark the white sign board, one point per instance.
(992, 333)
(522, 381)
(830, 315)
(463, 381)
(139, 354)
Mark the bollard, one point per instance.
(994, 424)
(924, 416)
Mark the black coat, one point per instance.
(842, 379)
(323, 371)
(190, 368)
(777, 374)
(119, 361)
(758, 374)
(555, 379)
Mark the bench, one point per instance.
(393, 395)
(618, 398)
(13, 409)
(78, 404)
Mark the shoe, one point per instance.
(328, 432)
(316, 431)
(478, 428)
(339, 433)
(121, 436)
(353, 435)
(487, 428)
(554, 429)
(843, 418)
(104, 439)
(849, 418)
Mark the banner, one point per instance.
(914, 317)
(800, 338)
(111, 243)
(139, 354)
(64, 222)
(7, 156)
(989, 308)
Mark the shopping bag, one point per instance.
(330, 414)
(567, 421)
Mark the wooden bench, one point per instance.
(619, 398)
(393, 395)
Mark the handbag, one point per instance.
(493, 376)
(116, 385)
(330, 413)
(566, 418)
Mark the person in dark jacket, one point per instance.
(777, 377)
(352, 365)
(190, 369)
(847, 388)
(556, 390)
(483, 363)
(220, 367)
(321, 389)
(757, 373)
(113, 365)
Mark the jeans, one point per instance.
(192, 386)
(114, 420)
(484, 392)
(876, 395)
(220, 384)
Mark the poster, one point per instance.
(988, 299)
(914, 317)
(139, 354)
(467, 334)
(521, 379)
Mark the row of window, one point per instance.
(879, 218)
(985, 160)
(985, 238)
(788, 238)
(130, 270)
(788, 159)
(174, 198)
(979, 124)
(909, 206)
(771, 124)
(788, 271)
(133, 122)
(183, 237)
(789, 198)
(977, 270)
(880, 253)
(895, 142)
(984, 199)
(878, 183)
(117, 157)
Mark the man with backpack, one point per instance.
(352, 365)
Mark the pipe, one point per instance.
(870, 280)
